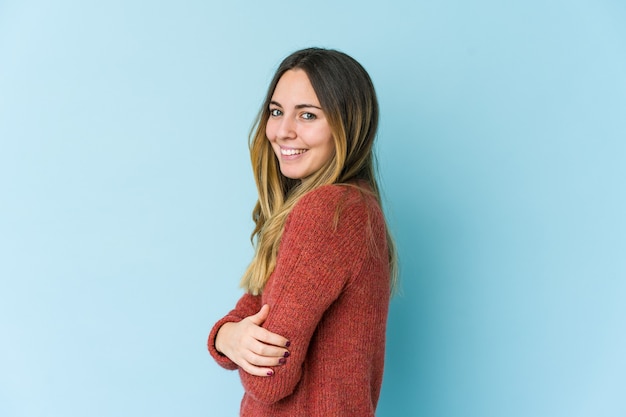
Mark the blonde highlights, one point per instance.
(349, 102)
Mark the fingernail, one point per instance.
(282, 361)
(270, 373)
(288, 343)
(286, 355)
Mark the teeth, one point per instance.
(288, 152)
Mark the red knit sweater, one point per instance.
(328, 295)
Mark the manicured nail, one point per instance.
(282, 361)
(288, 343)
(270, 373)
(286, 355)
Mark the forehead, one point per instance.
(294, 87)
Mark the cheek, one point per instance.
(270, 131)
(329, 143)
(330, 149)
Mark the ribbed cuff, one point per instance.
(222, 360)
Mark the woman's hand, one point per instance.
(253, 348)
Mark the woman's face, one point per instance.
(297, 127)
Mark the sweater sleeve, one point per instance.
(247, 305)
(322, 247)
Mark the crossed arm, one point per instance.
(250, 346)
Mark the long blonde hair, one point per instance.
(348, 98)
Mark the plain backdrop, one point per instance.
(126, 193)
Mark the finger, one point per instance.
(256, 370)
(261, 349)
(261, 316)
(264, 361)
(270, 338)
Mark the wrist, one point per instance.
(219, 338)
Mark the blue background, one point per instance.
(126, 192)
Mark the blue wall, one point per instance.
(125, 196)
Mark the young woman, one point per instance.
(308, 335)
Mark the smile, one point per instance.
(289, 152)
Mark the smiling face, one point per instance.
(297, 127)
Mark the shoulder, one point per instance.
(334, 195)
(330, 198)
(334, 223)
(336, 204)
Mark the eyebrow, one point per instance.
(298, 106)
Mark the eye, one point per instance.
(275, 112)
(309, 116)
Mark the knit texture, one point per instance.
(329, 295)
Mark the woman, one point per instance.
(308, 336)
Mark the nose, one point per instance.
(286, 128)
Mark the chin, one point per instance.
(291, 176)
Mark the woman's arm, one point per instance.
(237, 340)
(253, 348)
(319, 253)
